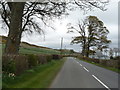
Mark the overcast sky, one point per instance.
(52, 38)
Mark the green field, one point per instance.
(27, 48)
(35, 50)
(39, 77)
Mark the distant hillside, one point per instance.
(23, 44)
(26, 48)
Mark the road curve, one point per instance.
(79, 74)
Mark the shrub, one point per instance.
(42, 59)
(17, 64)
(118, 64)
(112, 63)
(14, 64)
(111, 57)
(49, 58)
(8, 64)
(21, 63)
(56, 57)
(117, 58)
(103, 62)
(95, 60)
(32, 60)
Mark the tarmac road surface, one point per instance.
(79, 74)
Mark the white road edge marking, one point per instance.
(86, 69)
(80, 64)
(101, 82)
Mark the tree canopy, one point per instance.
(93, 33)
(23, 16)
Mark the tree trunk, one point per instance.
(87, 54)
(88, 51)
(15, 31)
(84, 48)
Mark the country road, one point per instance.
(79, 74)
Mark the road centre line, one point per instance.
(78, 63)
(81, 65)
(96, 78)
(86, 69)
(101, 82)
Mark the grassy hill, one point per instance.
(30, 49)
(26, 48)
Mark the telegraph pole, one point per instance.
(61, 44)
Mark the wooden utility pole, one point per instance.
(61, 44)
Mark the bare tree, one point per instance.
(93, 33)
(21, 16)
(82, 38)
(88, 5)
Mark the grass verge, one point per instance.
(106, 67)
(38, 77)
